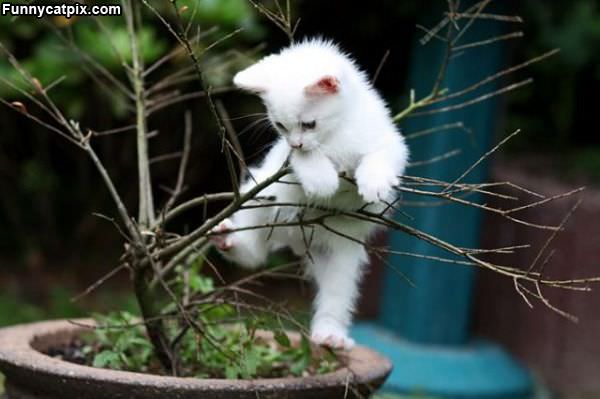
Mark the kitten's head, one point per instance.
(303, 90)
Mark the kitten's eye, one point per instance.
(280, 126)
(309, 125)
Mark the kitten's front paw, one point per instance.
(322, 187)
(331, 335)
(220, 236)
(376, 187)
(316, 174)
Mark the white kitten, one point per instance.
(330, 120)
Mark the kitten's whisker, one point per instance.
(257, 134)
(260, 150)
(252, 125)
(263, 114)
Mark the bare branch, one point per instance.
(481, 159)
(187, 146)
(508, 36)
(146, 214)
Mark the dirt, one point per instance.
(72, 353)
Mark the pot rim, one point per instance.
(363, 365)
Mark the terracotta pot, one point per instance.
(30, 374)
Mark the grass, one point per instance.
(15, 309)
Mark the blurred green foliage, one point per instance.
(55, 47)
(57, 303)
(558, 112)
(14, 310)
(52, 187)
(574, 29)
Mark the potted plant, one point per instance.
(193, 338)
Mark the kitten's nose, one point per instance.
(296, 146)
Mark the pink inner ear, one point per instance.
(325, 85)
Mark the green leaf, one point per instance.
(305, 346)
(231, 372)
(251, 361)
(282, 339)
(107, 359)
(202, 284)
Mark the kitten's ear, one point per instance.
(251, 79)
(327, 85)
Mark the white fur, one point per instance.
(354, 134)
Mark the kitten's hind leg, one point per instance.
(221, 237)
(247, 248)
(337, 275)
